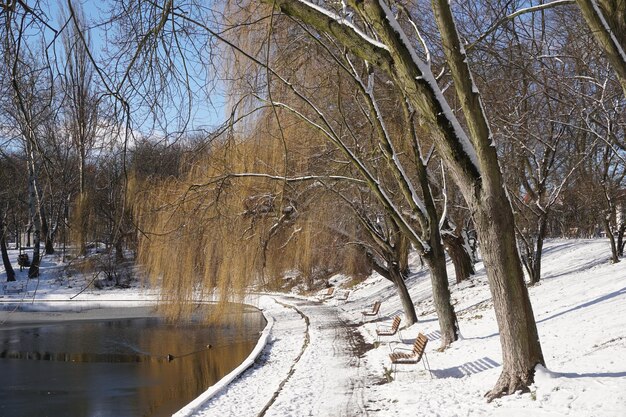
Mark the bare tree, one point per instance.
(469, 155)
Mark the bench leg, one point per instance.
(427, 365)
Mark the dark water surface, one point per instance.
(116, 367)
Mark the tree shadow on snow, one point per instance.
(569, 310)
(586, 304)
(591, 375)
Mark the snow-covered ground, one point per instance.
(309, 365)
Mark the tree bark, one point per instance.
(463, 265)
(436, 261)
(403, 292)
(519, 338)
(607, 21)
(3, 247)
(620, 239)
(393, 273)
(609, 234)
(34, 205)
(535, 275)
(46, 232)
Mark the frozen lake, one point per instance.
(114, 362)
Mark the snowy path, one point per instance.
(293, 376)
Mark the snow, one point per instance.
(343, 21)
(428, 76)
(307, 365)
(606, 26)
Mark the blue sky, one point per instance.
(206, 112)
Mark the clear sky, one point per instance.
(207, 108)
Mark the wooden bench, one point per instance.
(373, 312)
(344, 296)
(23, 261)
(328, 293)
(389, 330)
(14, 287)
(409, 356)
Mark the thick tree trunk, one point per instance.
(410, 316)
(404, 247)
(521, 350)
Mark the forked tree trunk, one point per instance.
(533, 266)
(393, 273)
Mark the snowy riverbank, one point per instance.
(309, 365)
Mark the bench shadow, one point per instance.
(436, 335)
(468, 368)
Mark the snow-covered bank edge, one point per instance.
(214, 389)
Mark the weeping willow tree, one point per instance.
(244, 217)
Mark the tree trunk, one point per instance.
(620, 239)
(535, 271)
(119, 247)
(521, 350)
(405, 298)
(609, 234)
(33, 271)
(606, 20)
(436, 261)
(393, 273)
(46, 232)
(404, 247)
(455, 246)
(34, 205)
(3, 247)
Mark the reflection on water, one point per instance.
(130, 367)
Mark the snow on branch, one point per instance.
(429, 78)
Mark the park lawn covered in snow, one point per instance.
(580, 307)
